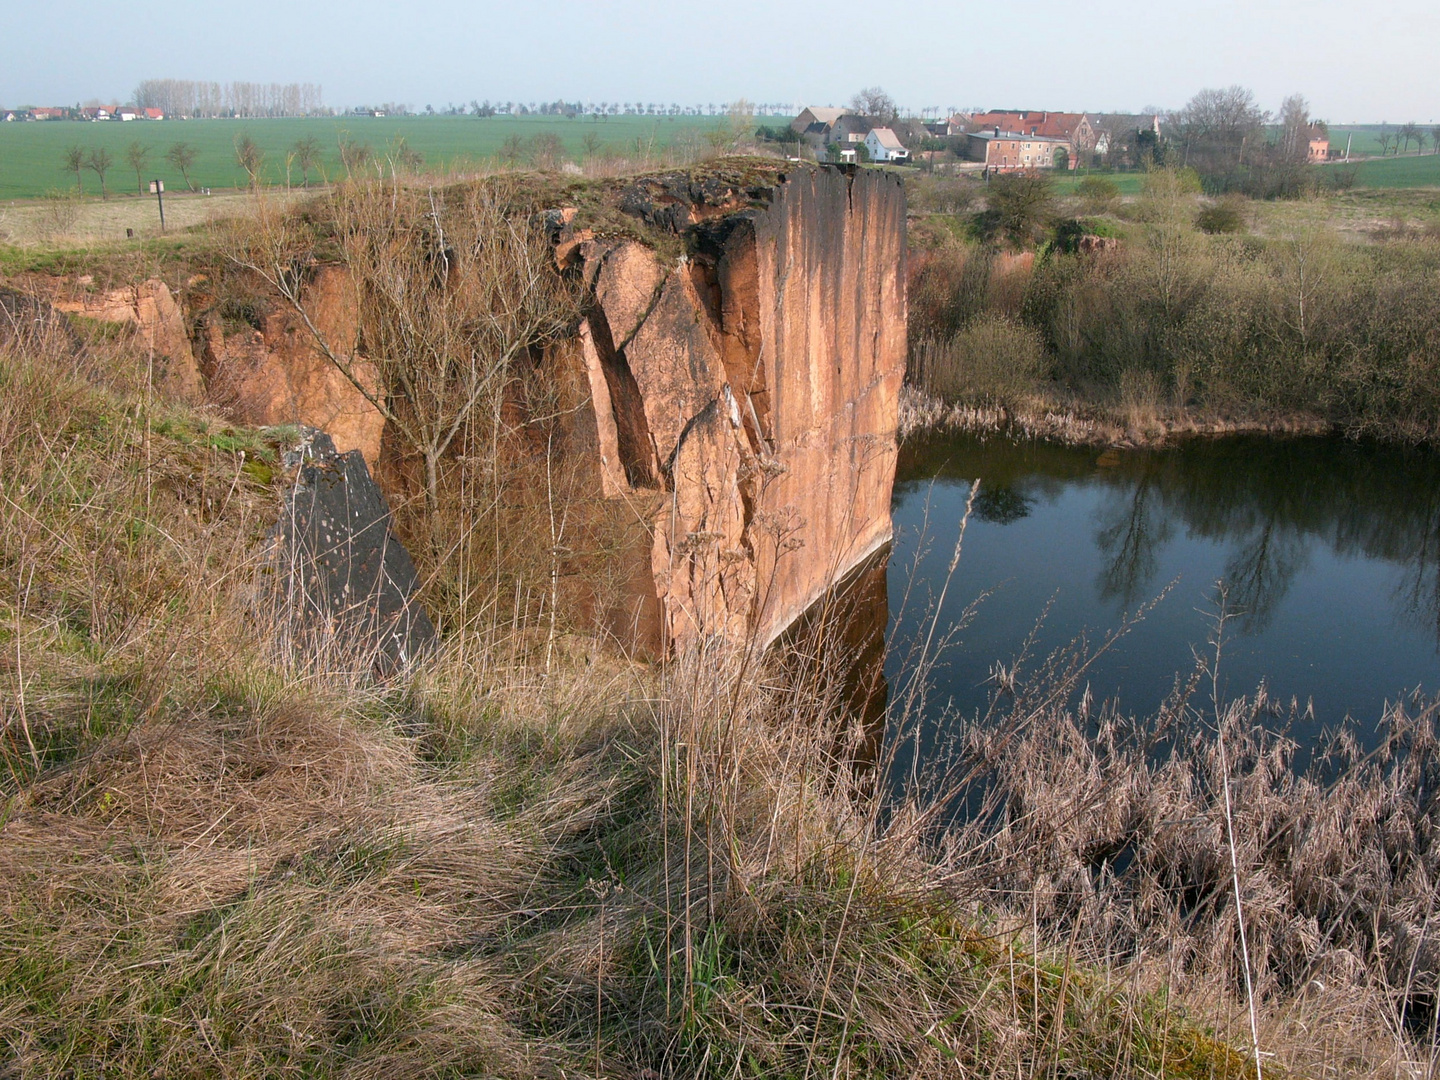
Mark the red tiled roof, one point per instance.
(1055, 125)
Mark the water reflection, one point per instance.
(1329, 551)
(1268, 501)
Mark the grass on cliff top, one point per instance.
(218, 857)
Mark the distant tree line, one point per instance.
(185, 97)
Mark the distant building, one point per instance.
(1125, 135)
(153, 114)
(1014, 151)
(882, 144)
(126, 113)
(1319, 151)
(9, 117)
(46, 113)
(817, 120)
(1074, 128)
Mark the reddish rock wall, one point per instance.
(278, 374)
(745, 395)
(152, 309)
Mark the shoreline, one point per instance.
(924, 415)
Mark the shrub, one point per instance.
(1227, 215)
(1020, 207)
(1097, 192)
(994, 361)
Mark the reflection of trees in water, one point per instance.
(1132, 530)
(1001, 505)
(1259, 574)
(1266, 498)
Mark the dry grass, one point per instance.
(527, 857)
(67, 220)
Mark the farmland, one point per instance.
(31, 153)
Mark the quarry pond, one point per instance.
(1329, 550)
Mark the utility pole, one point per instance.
(157, 188)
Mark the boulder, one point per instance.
(347, 586)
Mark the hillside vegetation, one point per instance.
(1190, 312)
(528, 856)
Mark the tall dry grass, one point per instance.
(527, 856)
(220, 859)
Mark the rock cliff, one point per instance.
(745, 393)
(733, 385)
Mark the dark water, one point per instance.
(1329, 550)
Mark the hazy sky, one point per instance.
(1354, 61)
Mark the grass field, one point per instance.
(1365, 138)
(31, 153)
(1406, 171)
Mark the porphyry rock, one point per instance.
(347, 584)
(279, 374)
(750, 390)
(153, 310)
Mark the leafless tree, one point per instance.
(876, 105)
(355, 157)
(99, 162)
(181, 157)
(250, 157)
(135, 156)
(1295, 128)
(453, 289)
(307, 156)
(1410, 133)
(75, 162)
(1217, 128)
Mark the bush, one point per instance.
(1020, 208)
(993, 361)
(1225, 216)
(1098, 192)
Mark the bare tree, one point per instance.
(1435, 139)
(1409, 133)
(307, 156)
(1386, 139)
(250, 157)
(99, 162)
(181, 157)
(876, 105)
(453, 288)
(135, 156)
(75, 162)
(355, 157)
(1218, 128)
(1295, 128)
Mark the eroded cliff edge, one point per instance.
(731, 389)
(745, 393)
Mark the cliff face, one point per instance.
(733, 386)
(745, 395)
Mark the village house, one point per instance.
(817, 120)
(1074, 130)
(46, 113)
(153, 114)
(1318, 151)
(1013, 151)
(882, 144)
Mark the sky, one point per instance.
(1355, 62)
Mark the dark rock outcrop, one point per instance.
(347, 585)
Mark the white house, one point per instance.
(883, 145)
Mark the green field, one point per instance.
(1406, 171)
(31, 153)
